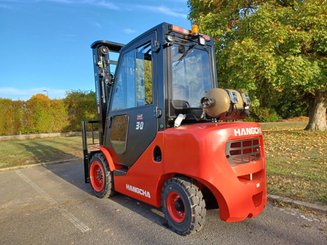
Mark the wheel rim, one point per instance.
(97, 176)
(176, 207)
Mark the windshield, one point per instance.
(191, 75)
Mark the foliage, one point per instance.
(265, 115)
(42, 115)
(273, 49)
(12, 115)
(293, 104)
(36, 117)
(59, 114)
(81, 106)
(148, 81)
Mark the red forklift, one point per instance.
(168, 136)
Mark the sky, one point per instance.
(45, 44)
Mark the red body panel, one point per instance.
(199, 151)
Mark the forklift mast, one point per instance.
(104, 69)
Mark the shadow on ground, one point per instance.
(44, 153)
(73, 173)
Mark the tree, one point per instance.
(37, 118)
(272, 49)
(81, 105)
(59, 114)
(11, 116)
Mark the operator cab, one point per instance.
(160, 76)
(191, 69)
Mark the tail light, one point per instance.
(243, 151)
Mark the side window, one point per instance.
(124, 92)
(144, 75)
(134, 79)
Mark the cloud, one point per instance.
(62, 1)
(177, 1)
(106, 4)
(96, 24)
(127, 7)
(25, 94)
(95, 3)
(157, 9)
(162, 9)
(129, 31)
(167, 11)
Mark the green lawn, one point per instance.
(278, 126)
(22, 152)
(297, 164)
(296, 159)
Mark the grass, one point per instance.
(296, 159)
(23, 152)
(282, 126)
(297, 164)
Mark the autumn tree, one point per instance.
(273, 49)
(37, 119)
(11, 116)
(42, 115)
(81, 105)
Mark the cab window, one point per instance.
(133, 83)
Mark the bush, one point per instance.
(59, 114)
(293, 105)
(80, 106)
(11, 116)
(264, 115)
(42, 115)
(37, 117)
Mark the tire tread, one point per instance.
(195, 198)
(109, 188)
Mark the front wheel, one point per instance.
(100, 176)
(183, 206)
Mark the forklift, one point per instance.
(168, 136)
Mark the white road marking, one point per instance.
(299, 215)
(69, 216)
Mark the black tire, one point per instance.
(101, 178)
(183, 206)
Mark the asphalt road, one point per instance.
(52, 205)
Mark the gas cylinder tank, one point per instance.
(226, 104)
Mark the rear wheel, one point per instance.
(183, 206)
(100, 176)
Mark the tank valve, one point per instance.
(207, 102)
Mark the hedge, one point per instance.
(43, 115)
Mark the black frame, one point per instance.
(148, 111)
(102, 73)
(86, 154)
